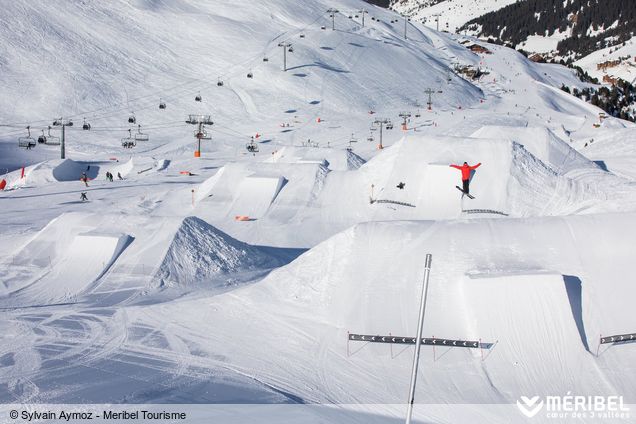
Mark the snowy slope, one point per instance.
(452, 13)
(234, 277)
(625, 70)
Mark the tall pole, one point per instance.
(363, 11)
(62, 145)
(332, 13)
(199, 137)
(381, 122)
(63, 123)
(405, 22)
(285, 45)
(418, 340)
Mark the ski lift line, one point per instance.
(115, 109)
(162, 93)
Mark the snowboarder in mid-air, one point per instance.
(466, 171)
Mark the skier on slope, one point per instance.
(466, 170)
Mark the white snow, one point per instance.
(152, 291)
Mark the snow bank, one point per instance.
(200, 253)
(543, 144)
(334, 159)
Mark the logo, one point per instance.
(573, 406)
(530, 406)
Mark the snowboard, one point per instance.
(469, 195)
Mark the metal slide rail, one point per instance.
(471, 211)
(619, 338)
(471, 344)
(393, 202)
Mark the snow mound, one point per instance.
(535, 296)
(61, 266)
(542, 143)
(334, 159)
(200, 253)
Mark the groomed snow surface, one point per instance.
(236, 277)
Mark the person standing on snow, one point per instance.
(466, 170)
(84, 178)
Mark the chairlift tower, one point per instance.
(381, 122)
(200, 133)
(286, 46)
(405, 116)
(430, 93)
(332, 14)
(363, 12)
(436, 16)
(63, 123)
(406, 21)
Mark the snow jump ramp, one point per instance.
(255, 195)
(536, 321)
(88, 257)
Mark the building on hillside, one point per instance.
(478, 49)
(536, 57)
(609, 80)
(608, 64)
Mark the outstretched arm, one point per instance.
(456, 166)
(476, 166)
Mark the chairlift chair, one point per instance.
(323, 27)
(250, 74)
(302, 35)
(162, 104)
(128, 142)
(141, 136)
(42, 138)
(290, 49)
(131, 119)
(219, 82)
(52, 140)
(197, 98)
(265, 59)
(28, 141)
(86, 126)
(252, 147)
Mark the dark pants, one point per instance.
(466, 183)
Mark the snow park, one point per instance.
(320, 211)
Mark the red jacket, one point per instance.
(466, 170)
